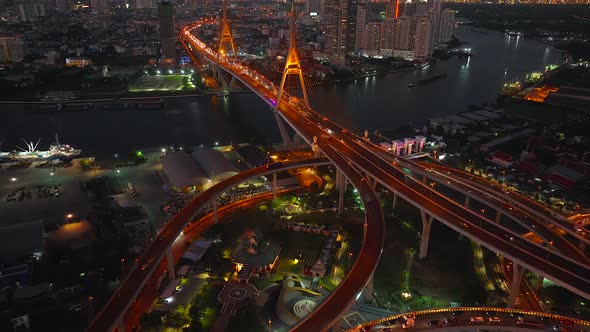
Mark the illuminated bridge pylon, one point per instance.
(226, 39)
(292, 67)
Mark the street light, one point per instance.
(123, 266)
(13, 179)
(269, 325)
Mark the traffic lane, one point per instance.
(122, 298)
(487, 235)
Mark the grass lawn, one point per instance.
(159, 83)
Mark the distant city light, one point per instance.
(52, 174)
(118, 171)
(163, 150)
(13, 179)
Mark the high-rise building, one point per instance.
(99, 6)
(446, 26)
(350, 28)
(361, 18)
(331, 13)
(166, 13)
(312, 6)
(421, 8)
(409, 8)
(341, 19)
(29, 10)
(146, 4)
(393, 9)
(11, 49)
(373, 38)
(423, 40)
(435, 5)
(388, 33)
(402, 33)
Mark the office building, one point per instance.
(167, 34)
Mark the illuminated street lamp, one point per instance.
(13, 179)
(123, 266)
(269, 325)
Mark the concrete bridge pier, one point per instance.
(368, 293)
(517, 274)
(498, 216)
(214, 207)
(394, 200)
(539, 284)
(120, 324)
(426, 225)
(274, 185)
(282, 129)
(341, 182)
(467, 201)
(170, 261)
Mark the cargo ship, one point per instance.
(432, 78)
(56, 151)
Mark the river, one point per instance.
(374, 103)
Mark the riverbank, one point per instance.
(117, 98)
(344, 80)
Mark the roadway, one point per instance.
(149, 262)
(464, 318)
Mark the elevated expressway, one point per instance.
(564, 271)
(526, 212)
(461, 321)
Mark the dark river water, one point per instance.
(374, 103)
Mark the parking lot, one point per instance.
(32, 193)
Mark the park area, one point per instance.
(162, 83)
